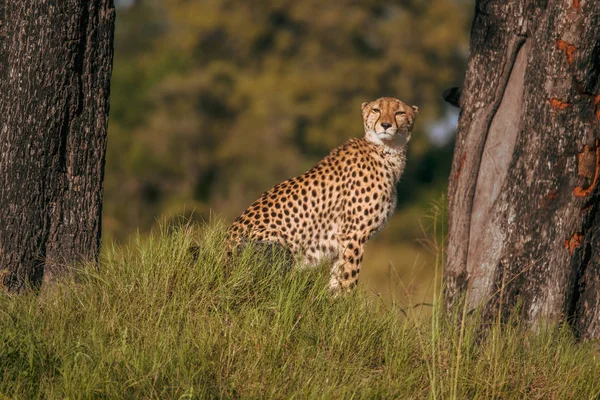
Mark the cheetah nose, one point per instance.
(385, 125)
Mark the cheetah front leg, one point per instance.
(345, 270)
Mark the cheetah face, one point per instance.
(388, 121)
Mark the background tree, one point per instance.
(524, 221)
(55, 67)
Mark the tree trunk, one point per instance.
(524, 220)
(55, 67)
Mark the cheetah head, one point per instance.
(388, 121)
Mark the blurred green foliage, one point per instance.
(215, 101)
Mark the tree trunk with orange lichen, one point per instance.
(55, 68)
(524, 193)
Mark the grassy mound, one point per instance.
(152, 323)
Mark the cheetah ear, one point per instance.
(363, 105)
(415, 109)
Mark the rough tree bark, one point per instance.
(55, 68)
(524, 220)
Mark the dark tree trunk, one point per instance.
(55, 67)
(524, 189)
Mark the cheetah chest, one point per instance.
(362, 209)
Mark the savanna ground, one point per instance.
(153, 323)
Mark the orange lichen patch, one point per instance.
(576, 4)
(574, 242)
(462, 162)
(568, 48)
(581, 192)
(556, 103)
(552, 195)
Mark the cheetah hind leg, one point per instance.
(270, 248)
(345, 270)
(274, 253)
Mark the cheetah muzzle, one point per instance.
(330, 212)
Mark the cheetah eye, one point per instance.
(400, 113)
(376, 110)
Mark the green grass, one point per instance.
(153, 324)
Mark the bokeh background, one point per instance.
(215, 101)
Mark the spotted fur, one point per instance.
(329, 212)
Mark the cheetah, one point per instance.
(329, 212)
